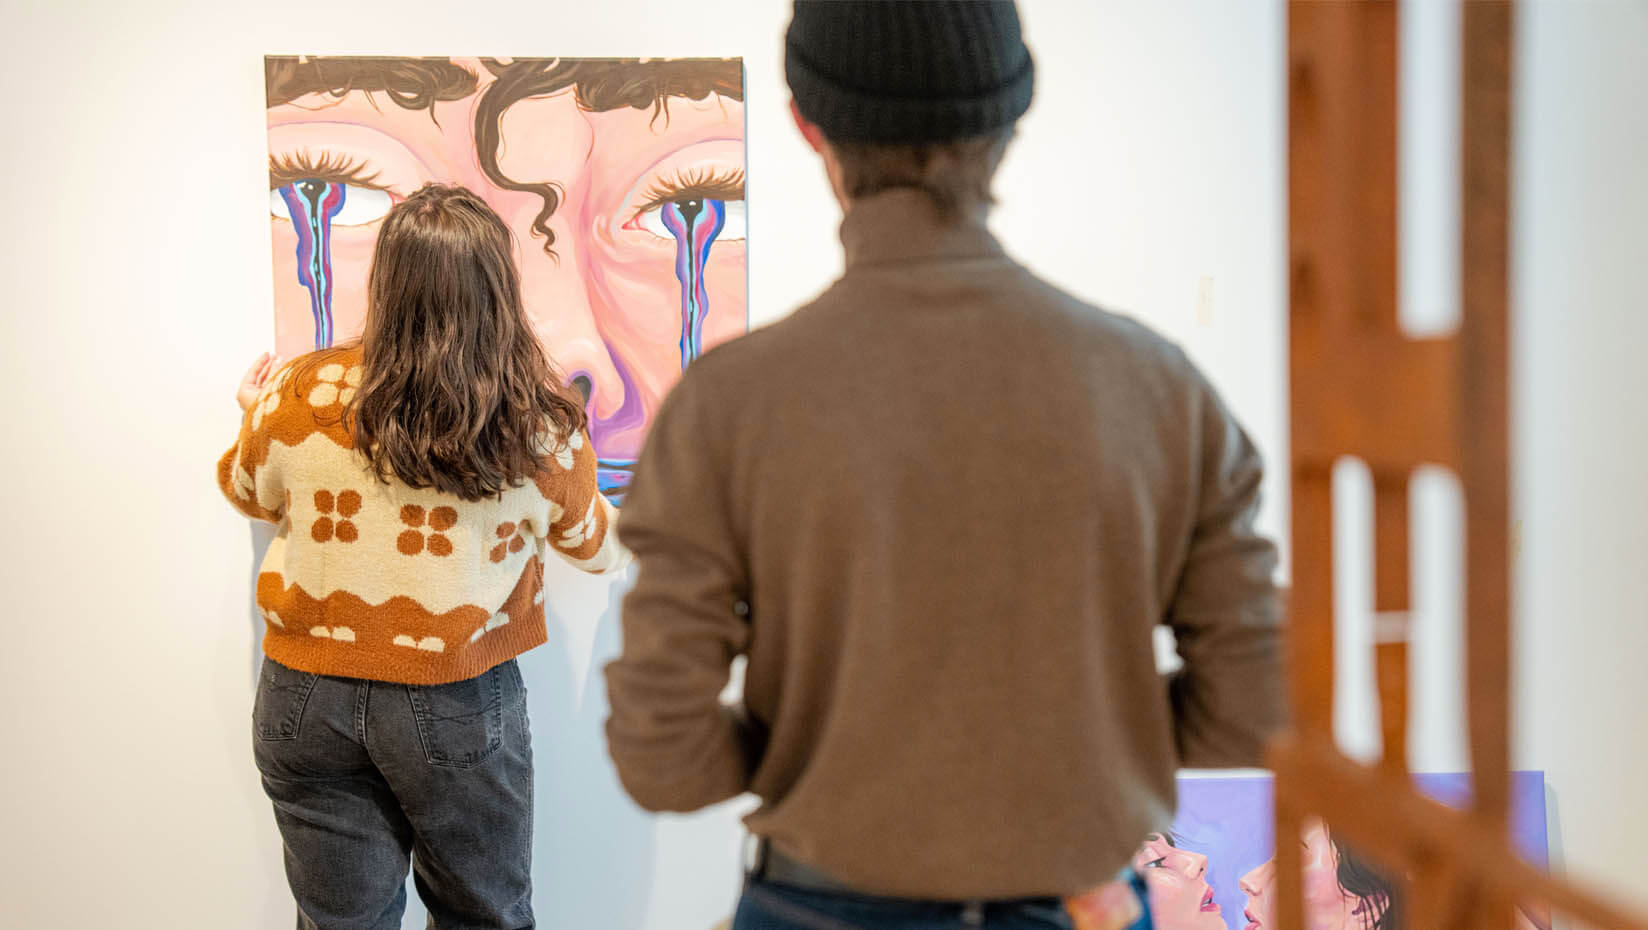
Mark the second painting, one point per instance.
(622, 179)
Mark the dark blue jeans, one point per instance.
(369, 779)
(770, 906)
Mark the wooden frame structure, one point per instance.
(1360, 387)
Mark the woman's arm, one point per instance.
(242, 474)
(579, 521)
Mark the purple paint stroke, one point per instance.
(694, 224)
(630, 414)
(312, 204)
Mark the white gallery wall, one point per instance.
(1579, 252)
(1148, 176)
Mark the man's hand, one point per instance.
(256, 376)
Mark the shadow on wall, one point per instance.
(593, 850)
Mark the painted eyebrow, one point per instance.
(599, 84)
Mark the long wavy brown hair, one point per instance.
(457, 394)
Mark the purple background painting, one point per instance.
(1228, 820)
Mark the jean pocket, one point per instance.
(283, 693)
(461, 723)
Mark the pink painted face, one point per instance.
(1260, 887)
(1325, 902)
(1180, 897)
(648, 263)
(1327, 906)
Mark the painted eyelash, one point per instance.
(331, 167)
(703, 184)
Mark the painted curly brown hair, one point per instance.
(599, 84)
(413, 83)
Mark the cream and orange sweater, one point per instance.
(368, 579)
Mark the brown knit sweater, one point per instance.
(378, 580)
(942, 509)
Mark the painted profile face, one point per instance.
(622, 181)
(1260, 887)
(1327, 906)
(1180, 897)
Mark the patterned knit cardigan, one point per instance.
(377, 580)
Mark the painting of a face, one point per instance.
(1327, 905)
(1180, 897)
(622, 180)
(1223, 836)
(1259, 886)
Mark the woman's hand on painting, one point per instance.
(256, 377)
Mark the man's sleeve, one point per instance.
(1227, 611)
(676, 747)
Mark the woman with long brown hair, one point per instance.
(418, 479)
(1341, 891)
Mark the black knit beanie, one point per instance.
(906, 71)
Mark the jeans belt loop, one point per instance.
(753, 854)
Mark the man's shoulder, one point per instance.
(1097, 328)
(757, 353)
(752, 364)
(725, 375)
(726, 364)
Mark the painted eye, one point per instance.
(733, 222)
(354, 204)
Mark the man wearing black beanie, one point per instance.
(942, 510)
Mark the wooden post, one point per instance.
(1484, 369)
(1360, 387)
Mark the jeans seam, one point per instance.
(431, 754)
(531, 779)
(293, 719)
(363, 696)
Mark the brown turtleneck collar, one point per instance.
(902, 226)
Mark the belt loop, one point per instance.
(755, 855)
(972, 914)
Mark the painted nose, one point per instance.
(565, 325)
(1194, 864)
(1255, 882)
(582, 386)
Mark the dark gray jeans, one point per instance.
(369, 778)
